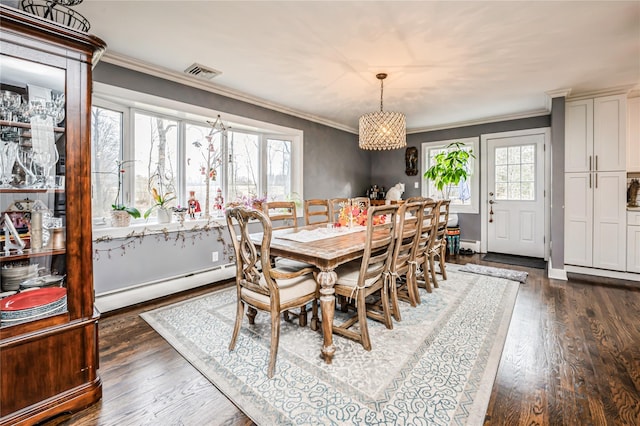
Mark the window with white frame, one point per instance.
(464, 196)
(171, 154)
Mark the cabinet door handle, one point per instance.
(596, 164)
(589, 180)
(589, 163)
(596, 181)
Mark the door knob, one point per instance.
(492, 202)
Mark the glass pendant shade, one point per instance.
(382, 129)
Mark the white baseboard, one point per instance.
(470, 244)
(139, 293)
(630, 276)
(556, 274)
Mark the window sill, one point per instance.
(150, 228)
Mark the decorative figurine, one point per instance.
(193, 205)
(218, 202)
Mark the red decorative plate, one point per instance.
(32, 299)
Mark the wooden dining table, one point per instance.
(340, 246)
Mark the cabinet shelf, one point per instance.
(31, 190)
(5, 123)
(28, 254)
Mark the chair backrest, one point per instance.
(443, 219)
(379, 243)
(251, 264)
(335, 204)
(428, 229)
(407, 235)
(362, 202)
(283, 212)
(316, 211)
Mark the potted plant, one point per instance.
(161, 194)
(120, 213)
(451, 167)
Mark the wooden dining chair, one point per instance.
(426, 240)
(439, 248)
(281, 212)
(261, 287)
(335, 205)
(403, 267)
(316, 211)
(360, 279)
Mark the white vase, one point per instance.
(164, 215)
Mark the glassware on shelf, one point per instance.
(8, 156)
(10, 103)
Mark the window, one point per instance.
(464, 196)
(515, 172)
(172, 148)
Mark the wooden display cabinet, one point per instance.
(48, 361)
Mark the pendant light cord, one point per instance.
(381, 90)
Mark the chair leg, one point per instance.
(432, 267)
(302, 319)
(314, 316)
(394, 300)
(425, 275)
(412, 289)
(385, 307)
(362, 320)
(237, 325)
(251, 314)
(443, 252)
(275, 337)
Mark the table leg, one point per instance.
(327, 279)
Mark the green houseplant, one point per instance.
(450, 167)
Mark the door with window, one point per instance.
(515, 194)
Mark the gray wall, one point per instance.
(387, 167)
(334, 166)
(557, 182)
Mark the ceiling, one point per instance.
(449, 63)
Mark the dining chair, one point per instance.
(316, 211)
(363, 202)
(261, 287)
(426, 240)
(360, 279)
(335, 205)
(439, 248)
(403, 266)
(283, 212)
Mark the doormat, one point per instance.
(511, 259)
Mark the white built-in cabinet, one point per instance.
(633, 241)
(633, 135)
(595, 183)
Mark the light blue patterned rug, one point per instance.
(436, 367)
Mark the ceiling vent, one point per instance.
(202, 72)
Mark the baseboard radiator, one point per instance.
(128, 296)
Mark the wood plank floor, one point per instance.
(572, 357)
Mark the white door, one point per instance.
(578, 219)
(609, 220)
(515, 185)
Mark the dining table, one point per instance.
(326, 247)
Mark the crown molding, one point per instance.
(619, 90)
(558, 93)
(487, 120)
(128, 62)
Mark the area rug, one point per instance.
(512, 259)
(509, 274)
(435, 367)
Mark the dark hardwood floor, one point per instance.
(572, 357)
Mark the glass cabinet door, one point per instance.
(33, 263)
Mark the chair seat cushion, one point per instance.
(290, 289)
(349, 272)
(291, 265)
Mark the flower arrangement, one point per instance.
(355, 215)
